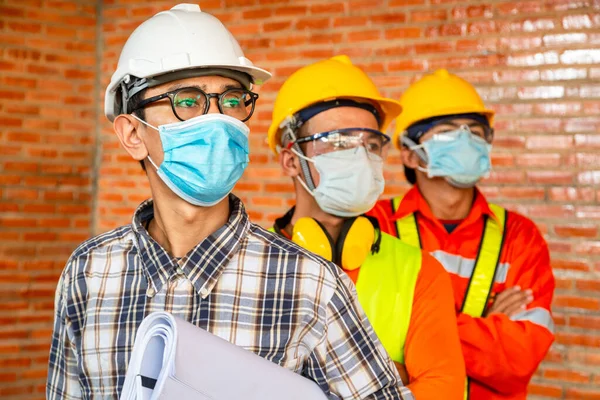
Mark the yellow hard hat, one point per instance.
(436, 95)
(327, 80)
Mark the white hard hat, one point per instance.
(183, 40)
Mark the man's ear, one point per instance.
(289, 163)
(128, 129)
(409, 158)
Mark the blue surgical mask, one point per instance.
(204, 157)
(459, 156)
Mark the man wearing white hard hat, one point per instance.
(179, 101)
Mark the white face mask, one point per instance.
(350, 182)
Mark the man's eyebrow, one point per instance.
(204, 88)
(453, 123)
(231, 86)
(175, 87)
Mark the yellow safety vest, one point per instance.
(486, 263)
(385, 287)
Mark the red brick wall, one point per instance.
(536, 62)
(48, 111)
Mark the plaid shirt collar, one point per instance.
(204, 264)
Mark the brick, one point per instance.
(588, 124)
(433, 48)
(276, 26)
(15, 363)
(522, 192)
(588, 231)
(538, 160)
(316, 38)
(411, 65)
(566, 375)
(349, 21)
(17, 222)
(572, 194)
(585, 322)
(364, 36)
(550, 177)
(578, 339)
(482, 27)
(583, 56)
(428, 16)
(387, 18)
(582, 394)
(589, 177)
(402, 33)
(279, 188)
(538, 389)
(21, 194)
(577, 302)
(312, 23)
(577, 22)
(291, 11)
(517, 8)
(586, 358)
(544, 142)
(588, 285)
(402, 3)
(6, 11)
(267, 201)
(328, 8)
(472, 11)
(25, 27)
(39, 208)
(39, 373)
(503, 177)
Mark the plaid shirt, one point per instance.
(242, 283)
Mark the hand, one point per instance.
(403, 372)
(511, 301)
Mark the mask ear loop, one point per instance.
(287, 124)
(418, 149)
(153, 127)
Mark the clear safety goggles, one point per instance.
(372, 140)
(447, 130)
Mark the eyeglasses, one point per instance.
(344, 139)
(191, 102)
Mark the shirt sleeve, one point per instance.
(503, 353)
(63, 380)
(433, 356)
(350, 362)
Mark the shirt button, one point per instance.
(204, 292)
(150, 292)
(180, 271)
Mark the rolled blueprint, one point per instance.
(173, 359)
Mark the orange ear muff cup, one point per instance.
(311, 235)
(355, 242)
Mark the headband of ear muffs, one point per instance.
(356, 240)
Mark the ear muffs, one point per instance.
(310, 234)
(356, 240)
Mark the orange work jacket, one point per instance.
(501, 354)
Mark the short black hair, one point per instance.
(410, 174)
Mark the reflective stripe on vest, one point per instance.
(386, 287)
(486, 263)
